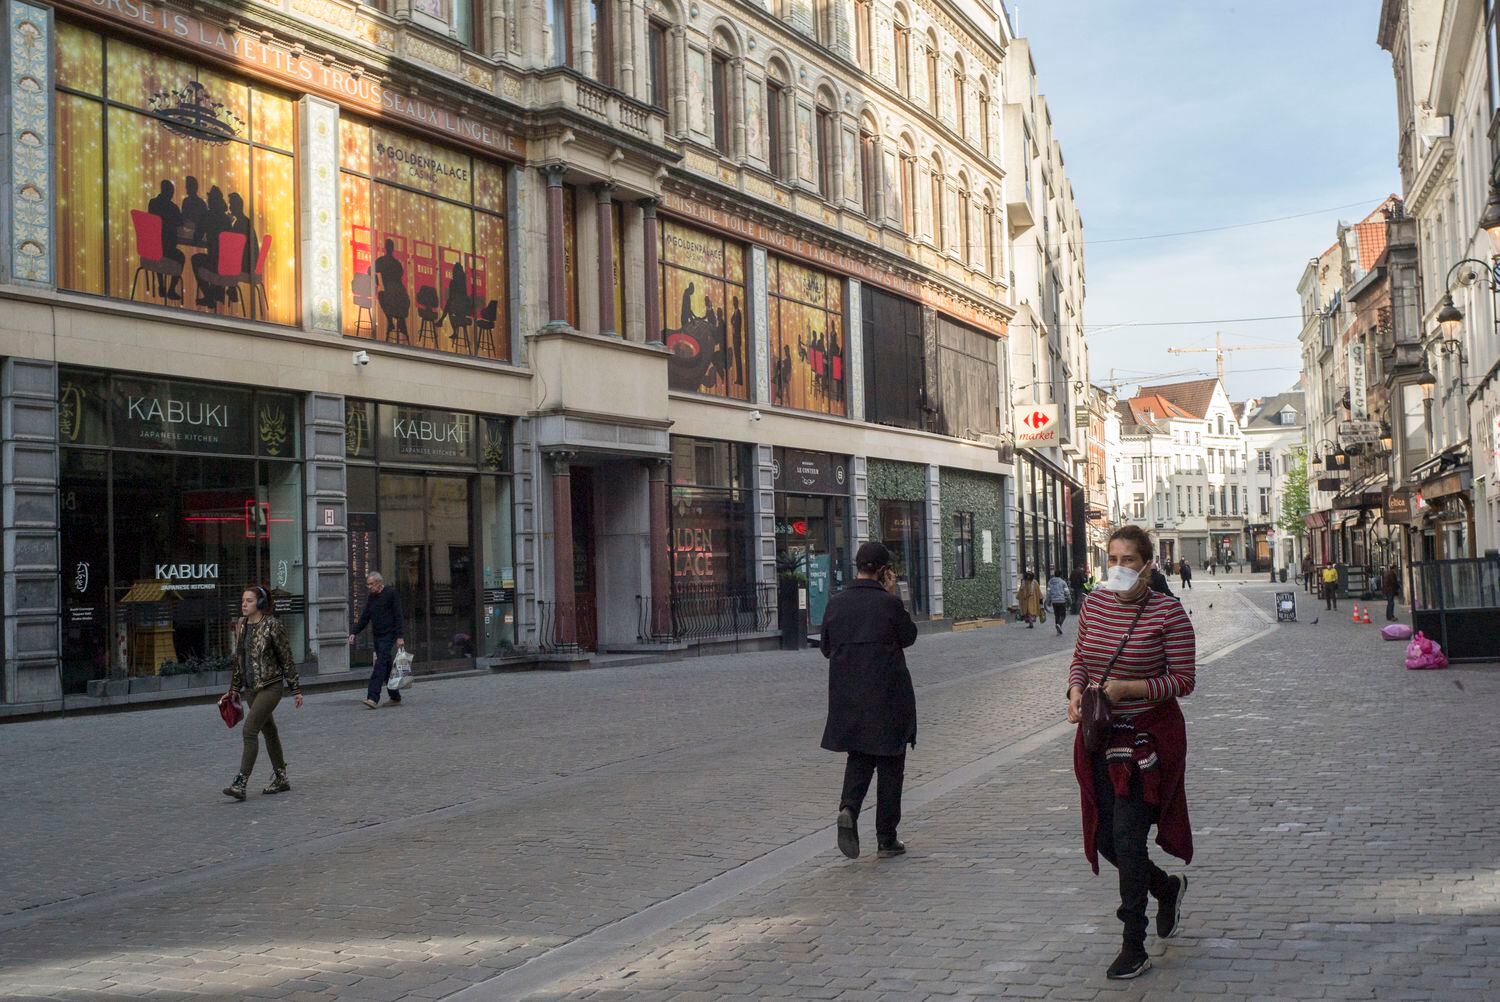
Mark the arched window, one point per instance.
(560, 31)
(869, 169)
(826, 139)
(864, 24)
(601, 27)
(960, 97)
(902, 42)
(778, 118)
(984, 114)
(990, 264)
(908, 188)
(964, 229)
(938, 236)
(658, 54)
(932, 73)
(724, 96)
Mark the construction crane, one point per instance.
(1220, 349)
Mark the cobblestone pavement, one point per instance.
(643, 833)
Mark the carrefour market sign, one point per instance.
(1037, 427)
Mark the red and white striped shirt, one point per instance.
(1162, 650)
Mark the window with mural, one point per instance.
(704, 320)
(712, 542)
(807, 338)
(424, 243)
(177, 183)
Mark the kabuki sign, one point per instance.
(1037, 426)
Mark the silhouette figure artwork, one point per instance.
(457, 307)
(216, 220)
(193, 206)
(395, 301)
(737, 326)
(165, 209)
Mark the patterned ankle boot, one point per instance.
(279, 783)
(237, 788)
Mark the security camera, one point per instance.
(361, 358)
(755, 415)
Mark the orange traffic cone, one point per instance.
(1354, 616)
(1366, 619)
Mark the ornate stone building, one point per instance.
(654, 311)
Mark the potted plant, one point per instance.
(791, 580)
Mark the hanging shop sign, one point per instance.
(798, 471)
(1037, 427)
(1359, 432)
(1397, 507)
(1358, 408)
(288, 64)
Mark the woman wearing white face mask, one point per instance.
(1143, 641)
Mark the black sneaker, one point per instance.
(236, 789)
(279, 783)
(895, 847)
(1169, 910)
(1131, 963)
(848, 834)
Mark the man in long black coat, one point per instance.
(872, 710)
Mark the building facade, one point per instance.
(1275, 445)
(590, 326)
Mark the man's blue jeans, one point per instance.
(383, 649)
(1390, 608)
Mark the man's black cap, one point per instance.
(872, 556)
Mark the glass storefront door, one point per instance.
(812, 535)
(901, 532)
(425, 544)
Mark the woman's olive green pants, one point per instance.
(258, 721)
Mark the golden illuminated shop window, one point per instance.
(424, 243)
(177, 182)
(808, 341)
(705, 322)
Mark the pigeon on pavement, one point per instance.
(1315, 621)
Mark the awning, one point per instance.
(1317, 519)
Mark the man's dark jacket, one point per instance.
(1159, 582)
(1390, 584)
(383, 614)
(871, 705)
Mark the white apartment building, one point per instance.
(1274, 445)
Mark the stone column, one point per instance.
(661, 571)
(604, 210)
(854, 350)
(566, 629)
(32, 643)
(318, 165)
(27, 193)
(759, 307)
(860, 491)
(651, 239)
(557, 282)
(935, 541)
(765, 515)
(327, 532)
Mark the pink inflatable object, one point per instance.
(1396, 631)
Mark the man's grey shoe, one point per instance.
(895, 847)
(848, 834)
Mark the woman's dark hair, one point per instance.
(1029, 576)
(1137, 537)
(262, 599)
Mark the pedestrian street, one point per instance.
(666, 831)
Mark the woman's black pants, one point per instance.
(1124, 824)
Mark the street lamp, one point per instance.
(1489, 219)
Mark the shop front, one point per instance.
(898, 518)
(714, 592)
(812, 525)
(1044, 523)
(430, 496)
(175, 496)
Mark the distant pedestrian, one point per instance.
(1077, 583)
(1213, 568)
(1185, 572)
(1029, 598)
(1390, 587)
(1331, 586)
(1145, 643)
(383, 615)
(872, 708)
(1159, 583)
(262, 670)
(1307, 572)
(1058, 598)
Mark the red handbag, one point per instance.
(230, 709)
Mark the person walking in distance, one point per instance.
(1029, 598)
(1057, 597)
(383, 615)
(872, 709)
(1185, 572)
(1390, 587)
(1331, 586)
(1140, 644)
(1076, 582)
(263, 669)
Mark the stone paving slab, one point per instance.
(585, 799)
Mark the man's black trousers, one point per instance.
(857, 775)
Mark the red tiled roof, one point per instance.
(1159, 407)
(1192, 397)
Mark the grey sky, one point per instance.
(1202, 113)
